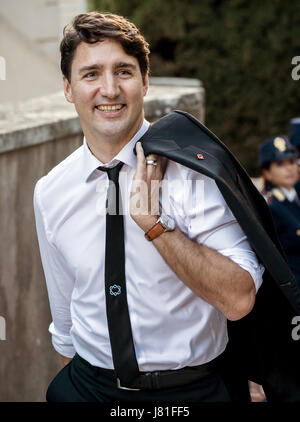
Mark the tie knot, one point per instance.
(113, 172)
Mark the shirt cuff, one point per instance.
(62, 343)
(248, 261)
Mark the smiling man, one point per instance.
(139, 299)
(113, 110)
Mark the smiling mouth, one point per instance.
(110, 108)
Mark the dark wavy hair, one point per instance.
(93, 27)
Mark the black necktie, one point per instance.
(119, 326)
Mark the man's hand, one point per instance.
(215, 278)
(256, 391)
(144, 197)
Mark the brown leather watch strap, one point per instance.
(154, 232)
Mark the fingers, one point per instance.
(164, 165)
(153, 172)
(148, 171)
(145, 186)
(141, 162)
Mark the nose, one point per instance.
(109, 86)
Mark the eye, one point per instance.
(90, 75)
(124, 72)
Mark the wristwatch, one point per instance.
(163, 224)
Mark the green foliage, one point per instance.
(242, 52)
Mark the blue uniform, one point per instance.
(285, 213)
(286, 216)
(297, 187)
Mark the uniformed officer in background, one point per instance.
(278, 163)
(277, 159)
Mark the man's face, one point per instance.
(107, 90)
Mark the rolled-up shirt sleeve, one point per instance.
(214, 225)
(59, 282)
(244, 256)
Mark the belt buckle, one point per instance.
(125, 388)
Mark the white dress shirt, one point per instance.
(290, 194)
(172, 327)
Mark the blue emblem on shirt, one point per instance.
(115, 290)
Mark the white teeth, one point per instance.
(110, 108)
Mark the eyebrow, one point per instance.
(124, 64)
(99, 67)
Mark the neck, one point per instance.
(105, 152)
(288, 188)
(106, 148)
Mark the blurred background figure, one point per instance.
(279, 167)
(277, 159)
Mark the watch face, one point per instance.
(167, 222)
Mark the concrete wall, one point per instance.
(29, 72)
(34, 137)
(30, 33)
(42, 21)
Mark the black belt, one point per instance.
(157, 380)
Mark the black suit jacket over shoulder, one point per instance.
(261, 347)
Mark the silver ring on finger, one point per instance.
(150, 161)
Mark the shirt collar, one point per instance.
(126, 155)
(289, 194)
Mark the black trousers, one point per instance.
(81, 382)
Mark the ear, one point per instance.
(145, 84)
(68, 90)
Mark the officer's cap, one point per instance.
(276, 149)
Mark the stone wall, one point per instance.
(35, 136)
